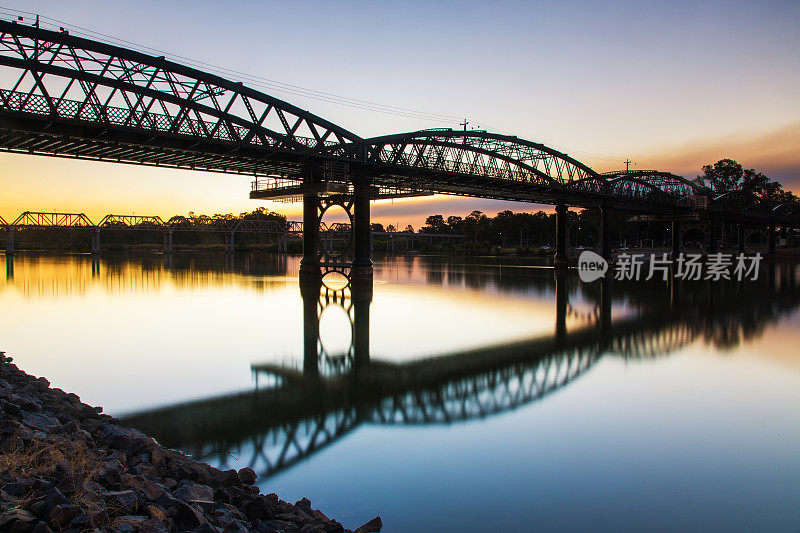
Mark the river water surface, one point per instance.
(459, 394)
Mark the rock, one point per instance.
(81, 521)
(149, 489)
(373, 526)
(312, 528)
(206, 506)
(188, 516)
(39, 422)
(62, 515)
(122, 502)
(41, 527)
(70, 427)
(205, 528)
(100, 518)
(247, 476)
(333, 527)
(8, 518)
(258, 508)
(189, 490)
(156, 513)
(30, 406)
(305, 503)
(18, 488)
(131, 441)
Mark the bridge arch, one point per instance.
(474, 152)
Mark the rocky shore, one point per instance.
(65, 466)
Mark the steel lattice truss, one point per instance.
(39, 220)
(30, 219)
(482, 395)
(284, 445)
(648, 344)
(145, 109)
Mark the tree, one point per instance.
(724, 176)
(376, 227)
(434, 224)
(727, 175)
(409, 229)
(390, 228)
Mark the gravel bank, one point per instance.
(65, 466)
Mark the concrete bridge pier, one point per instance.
(168, 242)
(605, 232)
(560, 259)
(771, 240)
(562, 296)
(95, 266)
(713, 236)
(309, 264)
(676, 238)
(229, 248)
(9, 267)
(362, 299)
(310, 291)
(9, 242)
(741, 238)
(361, 272)
(96, 241)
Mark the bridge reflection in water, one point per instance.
(294, 413)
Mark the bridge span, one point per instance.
(66, 96)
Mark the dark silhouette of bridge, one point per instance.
(72, 97)
(293, 413)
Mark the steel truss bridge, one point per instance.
(301, 412)
(31, 220)
(72, 97)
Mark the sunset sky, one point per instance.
(670, 85)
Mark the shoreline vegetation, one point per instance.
(507, 233)
(65, 466)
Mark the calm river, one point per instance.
(479, 394)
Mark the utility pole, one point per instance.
(464, 124)
(627, 165)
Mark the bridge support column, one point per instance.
(229, 248)
(771, 240)
(605, 311)
(740, 237)
(605, 232)
(96, 241)
(713, 237)
(310, 291)
(284, 246)
(676, 238)
(168, 242)
(361, 273)
(561, 305)
(362, 299)
(560, 260)
(309, 265)
(10, 241)
(784, 237)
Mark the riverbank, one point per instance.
(65, 466)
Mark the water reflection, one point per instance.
(293, 413)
